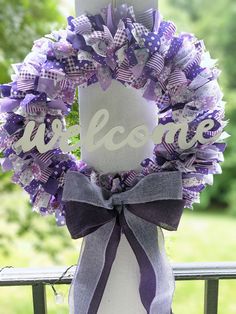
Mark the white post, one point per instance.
(127, 108)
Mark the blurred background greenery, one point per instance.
(206, 234)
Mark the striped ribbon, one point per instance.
(156, 64)
(45, 158)
(177, 78)
(124, 73)
(25, 85)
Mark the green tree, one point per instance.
(214, 21)
(22, 22)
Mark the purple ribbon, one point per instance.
(8, 104)
(110, 19)
(101, 217)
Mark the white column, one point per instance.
(127, 108)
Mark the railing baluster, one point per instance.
(211, 296)
(39, 299)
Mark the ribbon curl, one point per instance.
(102, 217)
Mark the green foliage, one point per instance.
(214, 21)
(17, 221)
(22, 22)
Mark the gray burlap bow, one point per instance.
(154, 202)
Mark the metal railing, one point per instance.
(211, 273)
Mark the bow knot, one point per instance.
(118, 205)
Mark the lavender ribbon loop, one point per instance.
(102, 217)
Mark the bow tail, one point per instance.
(157, 281)
(93, 270)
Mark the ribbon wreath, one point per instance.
(142, 51)
(101, 217)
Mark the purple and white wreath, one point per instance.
(143, 52)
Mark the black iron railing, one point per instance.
(211, 273)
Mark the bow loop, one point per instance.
(156, 198)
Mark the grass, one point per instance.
(203, 238)
(200, 238)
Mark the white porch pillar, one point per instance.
(127, 108)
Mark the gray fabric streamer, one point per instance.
(152, 240)
(86, 276)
